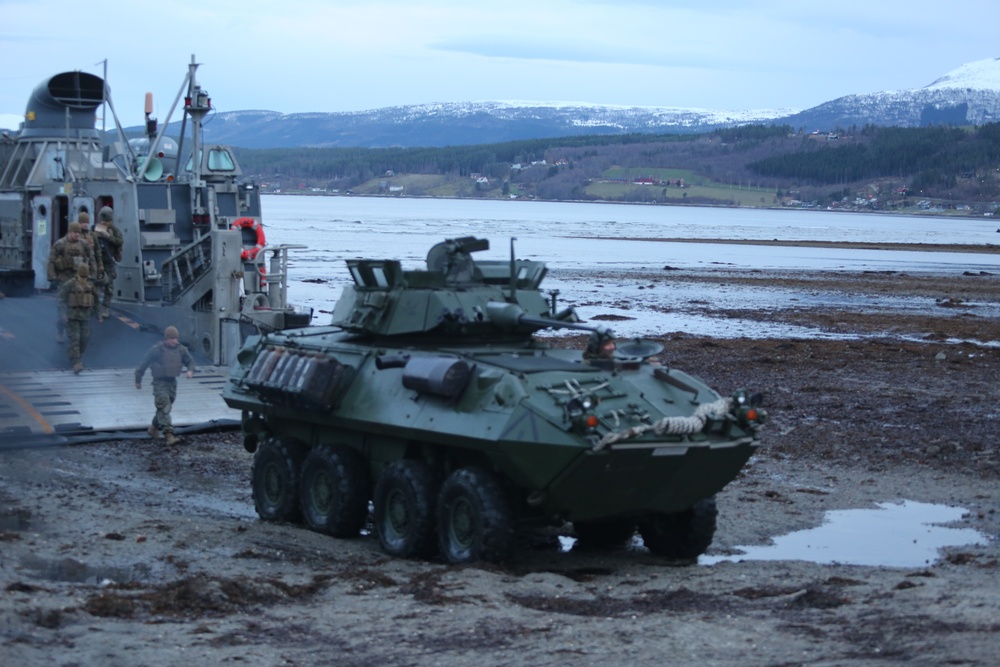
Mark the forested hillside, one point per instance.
(752, 165)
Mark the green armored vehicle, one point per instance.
(430, 398)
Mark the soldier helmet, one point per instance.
(83, 218)
(171, 332)
(598, 338)
(83, 271)
(106, 214)
(74, 227)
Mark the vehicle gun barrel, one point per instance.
(509, 316)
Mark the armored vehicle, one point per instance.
(431, 397)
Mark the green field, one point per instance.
(695, 185)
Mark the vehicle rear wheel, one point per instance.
(604, 533)
(275, 480)
(404, 509)
(681, 535)
(475, 520)
(334, 491)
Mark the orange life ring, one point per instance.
(250, 223)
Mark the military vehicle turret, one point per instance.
(431, 397)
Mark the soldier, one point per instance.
(77, 301)
(109, 242)
(165, 361)
(68, 253)
(601, 345)
(84, 219)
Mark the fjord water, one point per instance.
(587, 237)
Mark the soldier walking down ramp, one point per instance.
(109, 243)
(83, 219)
(165, 361)
(77, 302)
(68, 253)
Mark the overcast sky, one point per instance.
(345, 55)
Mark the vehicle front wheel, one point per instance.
(404, 509)
(334, 491)
(475, 520)
(681, 535)
(274, 479)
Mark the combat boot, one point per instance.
(77, 367)
(172, 439)
(153, 432)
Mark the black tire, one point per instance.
(682, 535)
(405, 496)
(606, 533)
(274, 479)
(334, 491)
(475, 520)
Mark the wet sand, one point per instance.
(132, 553)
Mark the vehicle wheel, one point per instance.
(681, 535)
(606, 533)
(475, 521)
(275, 480)
(334, 491)
(404, 509)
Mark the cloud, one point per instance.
(314, 55)
(495, 46)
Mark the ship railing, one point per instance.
(183, 270)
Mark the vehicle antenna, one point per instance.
(513, 273)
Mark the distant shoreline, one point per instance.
(989, 248)
(941, 215)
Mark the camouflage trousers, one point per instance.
(62, 312)
(108, 289)
(79, 336)
(164, 393)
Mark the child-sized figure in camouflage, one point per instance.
(77, 304)
(165, 361)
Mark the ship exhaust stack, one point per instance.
(67, 102)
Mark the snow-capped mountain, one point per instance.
(463, 123)
(969, 94)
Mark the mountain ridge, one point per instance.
(969, 94)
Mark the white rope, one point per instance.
(672, 425)
(575, 390)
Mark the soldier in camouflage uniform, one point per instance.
(165, 360)
(109, 243)
(84, 220)
(601, 345)
(68, 253)
(77, 302)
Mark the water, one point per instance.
(906, 534)
(573, 238)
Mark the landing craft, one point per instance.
(195, 251)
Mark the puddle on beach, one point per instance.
(906, 534)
